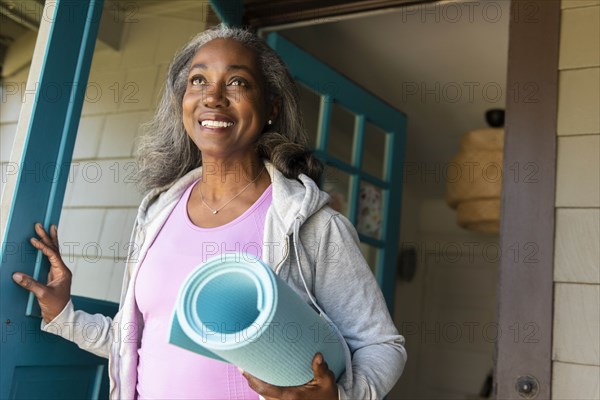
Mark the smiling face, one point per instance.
(224, 106)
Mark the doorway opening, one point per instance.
(444, 65)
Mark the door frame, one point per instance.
(528, 202)
(524, 345)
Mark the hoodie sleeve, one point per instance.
(91, 332)
(349, 294)
(96, 333)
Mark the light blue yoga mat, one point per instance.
(235, 309)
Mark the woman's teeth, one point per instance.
(216, 124)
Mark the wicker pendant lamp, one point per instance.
(474, 190)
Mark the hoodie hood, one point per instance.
(303, 198)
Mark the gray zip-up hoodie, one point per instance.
(309, 245)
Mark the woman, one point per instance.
(225, 168)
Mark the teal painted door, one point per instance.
(33, 364)
(361, 139)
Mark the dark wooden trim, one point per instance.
(262, 13)
(525, 287)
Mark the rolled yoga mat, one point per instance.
(235, 309)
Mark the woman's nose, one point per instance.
(214, 96)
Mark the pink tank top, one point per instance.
(166, 371)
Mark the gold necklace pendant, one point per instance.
(215, 211)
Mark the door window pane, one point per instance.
(370, 210)
(341, 133)
(373, 159)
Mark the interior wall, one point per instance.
(576, 332)
(122, 92)
(447, 313)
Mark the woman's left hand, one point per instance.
(322, 387)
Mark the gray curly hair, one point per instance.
(165, 151)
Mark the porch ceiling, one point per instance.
(16, 19)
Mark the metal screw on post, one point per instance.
(527, 386)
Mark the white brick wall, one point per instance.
(123, 89)
(129, 83)
(9, 115)
(576, 333)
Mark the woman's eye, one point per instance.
(239, 82)
(196, 81)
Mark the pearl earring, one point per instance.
(269, 122)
